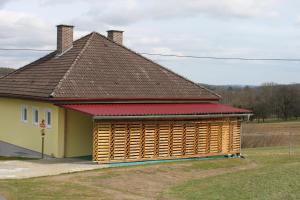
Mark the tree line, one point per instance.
(270, 100)
(5, 70)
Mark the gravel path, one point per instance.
(18, 169)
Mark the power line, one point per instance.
(178, 56)
(224, 58)
(25, 49)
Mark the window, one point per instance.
(24, 114)
(48, 118)
(35, 116)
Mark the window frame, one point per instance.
(34, 109)
(48, 125)
(23, 107)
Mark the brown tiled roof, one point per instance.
(98, 68)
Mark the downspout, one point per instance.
(65, 133)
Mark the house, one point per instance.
(99, 98)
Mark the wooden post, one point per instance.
(196, 139)
(208, 138)
(170, 139)
(142, 141)
(127, 143)
(156, 141)
(230, 136)
(220, 137)
(112, 142)
(184, 140)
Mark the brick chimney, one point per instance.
(64, 38)
(116, 36)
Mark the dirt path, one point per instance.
(142, 182)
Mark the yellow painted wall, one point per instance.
(79, 134)
(26, 134)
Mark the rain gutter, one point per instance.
(172, 116)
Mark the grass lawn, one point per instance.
(15, 158)
(266, 173)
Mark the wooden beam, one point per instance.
(156, 141)
(220, 137)
(208, 138)
(127, 141)
(112, 142)
(196, 139)
(142, 141)
(183, 150)
(170, 142)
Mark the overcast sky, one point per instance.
(225, 28)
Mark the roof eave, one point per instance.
(129, 100)
(27, 97)
(195, 116)
(104, 100)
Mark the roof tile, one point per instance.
(98, 68)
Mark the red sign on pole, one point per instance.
(42, 124)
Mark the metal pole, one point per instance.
(289, 144)
(43, 141)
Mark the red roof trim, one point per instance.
(155, 109)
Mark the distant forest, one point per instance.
(5, 70)
(269, 100)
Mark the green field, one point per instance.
(265, 173)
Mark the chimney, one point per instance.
(116, 36)
(64, 38)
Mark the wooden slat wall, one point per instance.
(203, 142)
(236, 136)
(177, 139)
(101, 141)
(190, 139)
(148, 140)
(120, 141)
(135, 131)
(214, 131)
(225, 137)
(163, 140)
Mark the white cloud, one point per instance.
(298, 20)
(224, 28)
(4, 2)
(24, 30)
(141, 40)
(13, 62)
(124, 12)
(166, 51)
